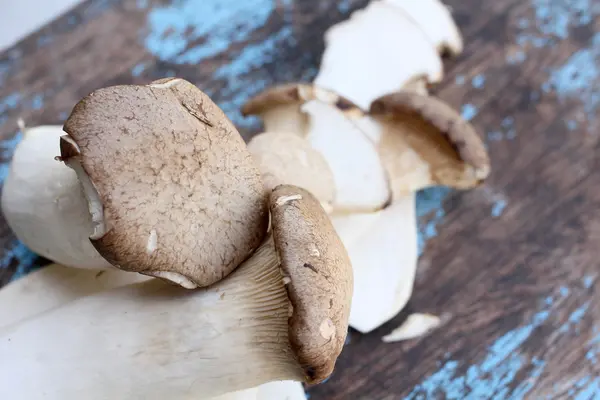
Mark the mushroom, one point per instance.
(435, 20)
(44, 205)
(172, 190)
(420, 142)
(56, 285)
(282, 315)
(359, 178)
(416, 325)
(377, 51)
(286, 158)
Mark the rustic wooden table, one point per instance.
(512, 265)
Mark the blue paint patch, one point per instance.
(37, 102)
(564, 291)
(138, 69)
(579, 78)
(556, 18)
(498, 208)
(344, 6)
(495, 136)
(22, 255)
(516, 57)
(469, 111)
(175, 26)
(575, 318)
(589, 391)
(8, 103)
(7, 149)
(478, 81)
(460, 80)
(494, 376)
(239, 88)
(430, 213)
(588, 281)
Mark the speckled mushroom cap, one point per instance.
(438, 134)
(318, 277)
(293, 93)
(180, 191)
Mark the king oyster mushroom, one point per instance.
(420, 142)
(282, 315)
(171, 188)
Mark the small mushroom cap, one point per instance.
(180, 191)
(434, 130)
(318, 277)
(291, 94)
(286, 158)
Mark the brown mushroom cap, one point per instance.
(438, 133)
(318, 277)
(180, 191)
(286, 158)
(293, 93)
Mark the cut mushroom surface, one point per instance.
(284, 313)
(286, 158)
(416, 325)
(191, 207)
(383, 250)
(361, 183)
(376, 52)
(435, 20)
(44, 205)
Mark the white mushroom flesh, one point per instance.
(416, 325)
(377, 51)
(435, 20)
(360, 181)
(281, 390)
(383, 250)
(284, 118)
(44, 204)
(154, 342)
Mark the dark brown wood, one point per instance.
(513, 265)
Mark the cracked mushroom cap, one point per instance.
(180, 197)
(318, 277)
(425, 140)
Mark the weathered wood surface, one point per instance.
(512, 266)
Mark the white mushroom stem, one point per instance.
(383, 249)
(156, 341)
(55, 285)
(44, 204)
(377, 51)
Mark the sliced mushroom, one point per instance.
(171, 187)
(416, 325)
(44, 205)
(281, 390)
(282, 315)
(286, 158)
(360, 181)
(435, 20)
(376, 52)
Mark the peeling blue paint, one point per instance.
(175, 26)
(430, 213)
(564, 291)
(8, 103)
(588, 281)
(494, 376)
(516, 57)
(138, 69)
(344, 6)
(575, 318)
(37, 102)
(498, 208)
(469, 111)
(478, 81)
(460, 80)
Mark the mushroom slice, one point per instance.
(170, 183)
(416, 325)
(383, 250)
(423, 142)
(375, 52)
(435, 20)
(283, 313)
(361, 184)
(44, 205)
(286, 158)
(54, 286)
(281, 390)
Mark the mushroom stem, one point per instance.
(158, 341)
(44, 204)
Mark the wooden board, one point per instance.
(511, 266)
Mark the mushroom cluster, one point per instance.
(273, 280)
(181, 251)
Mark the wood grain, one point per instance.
(511, 266)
